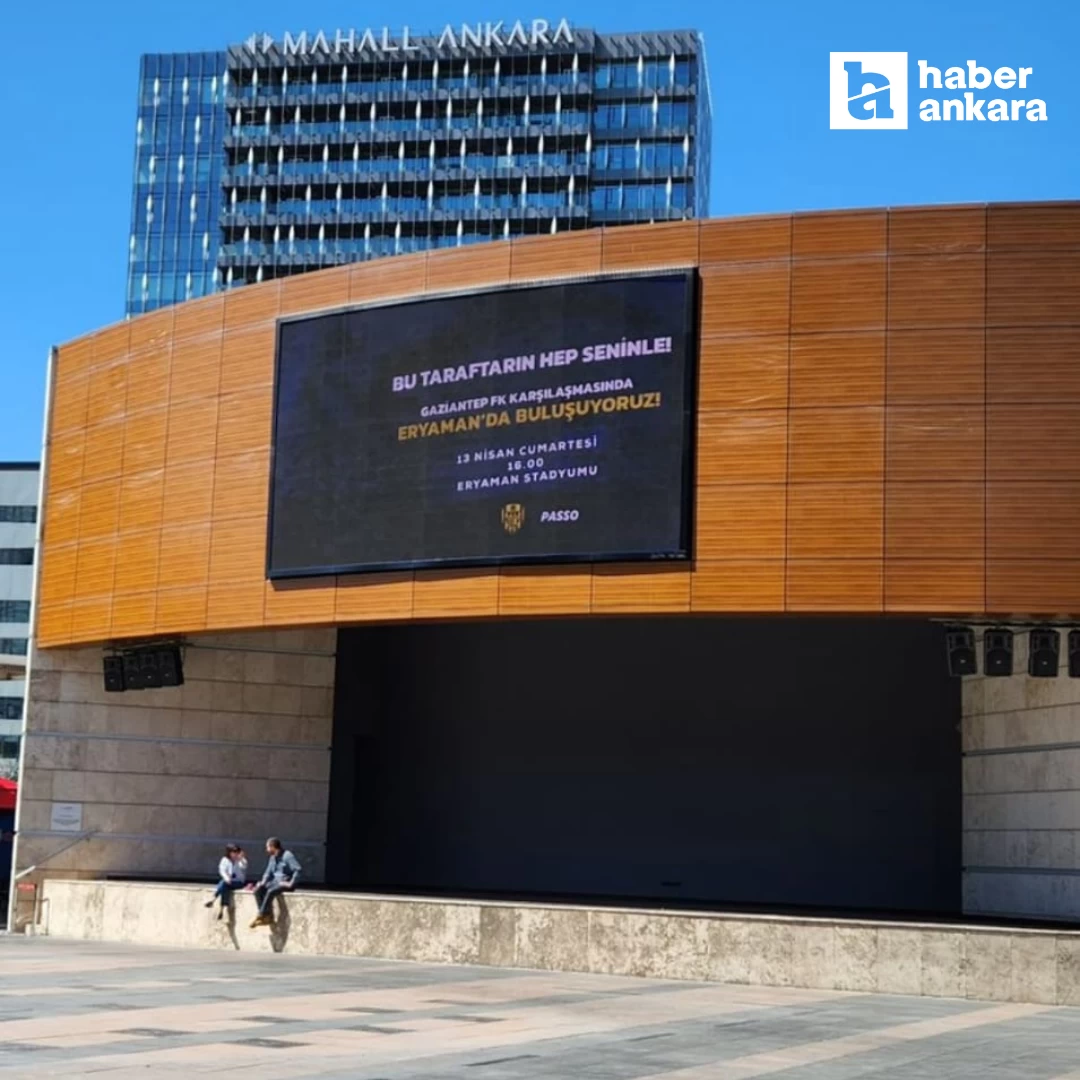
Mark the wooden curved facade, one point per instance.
(888, 421)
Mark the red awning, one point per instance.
(8, 788)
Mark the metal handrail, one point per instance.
(52, 855)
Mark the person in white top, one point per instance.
(232, 874)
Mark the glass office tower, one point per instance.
(321, 149)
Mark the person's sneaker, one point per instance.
(221, 914)
(257, 921)
(209, 903)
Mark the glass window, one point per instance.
(682, 73)
(602, 77)
(13, 646)
(14, 611)
(9, 747)
(11, 708)
(16, 556)
(26, 514)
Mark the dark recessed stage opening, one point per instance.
(776, 763)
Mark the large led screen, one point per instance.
(547, 423)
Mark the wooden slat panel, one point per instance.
(62, 516)
(96, 568)
(853, 585)
(745, 298)
(53, 624)
(104, 452)
(936, 290)
(914, 230)
(955, 586)
(631, 247)
(137, 557)
(133, 614)
(835, 521)
(937, 521)
(373, 597)
(836, 444)
(1033, 442)
(441, 594)
(743, 373)
(185, 556)
(291, 603)
(70, 399)
(745, 239)
(843, 232)
(66, 453)
(110, 345)
(73, 360)
(90, 619)
(564, 590)
(1035, 364)
(192, 432)
(742, 447)
(1035, 227)
(935, 442)
(152, 333)
(196, 368)
(838, 294)
(242, 484)
(738, 585)
(107, 393)
(99, 509)
(564, 255)
(381, 279)
(927, 367)
(474, 267)
(1035, 587)
(58, 566)
(244, 422)
(740, 521)
(148, 381)
(203, 318)
(144, 441)
(238, 551)
(189, 492)
(141, 500)
(253, 305)
(248, 358)
(1033, 520)
(838, 369)
(1033, 289)
(232, 605)
(312, 291)
(657, 589)
(181, 611)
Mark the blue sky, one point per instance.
(68, 84)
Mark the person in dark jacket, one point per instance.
(281, 874)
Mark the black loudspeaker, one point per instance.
(170, 666)
(1074, 653)
(960, 648)
(133, 674)
(1044, 644)
(148, 666)
(998, 653)
(113, 667)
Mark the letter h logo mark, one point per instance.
(868, 91)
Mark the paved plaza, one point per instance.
(73, 1009)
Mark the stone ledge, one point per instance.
(983, 963)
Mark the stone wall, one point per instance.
(1021, 747)
(165, 777)
(963, 962)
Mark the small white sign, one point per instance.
(66, 817)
